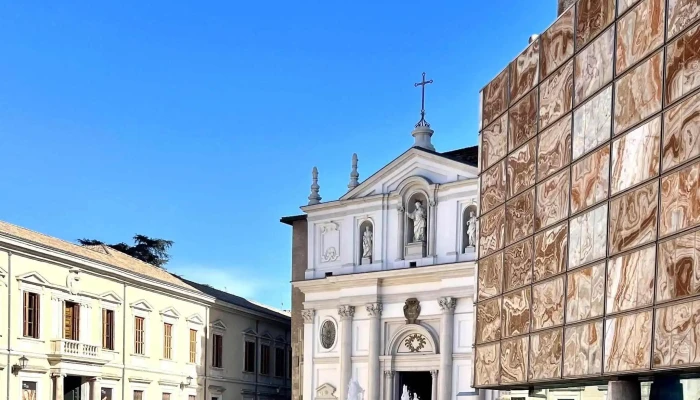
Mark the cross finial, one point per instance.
(422, 84)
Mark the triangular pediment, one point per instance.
(326, 391)
(142, 305)
(249, 332)
(195, 319)
(432, 167)
(218, 324)
(34, 278)
(111, 297)
(170, 312)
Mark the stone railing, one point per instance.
(65, 347)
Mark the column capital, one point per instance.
(400, 208)
(346, 311)
(308, 315)
(433, 373)
(447, 304)
(374, 309)
(389, 374)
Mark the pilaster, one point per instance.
(447, 305)
(346, 313)
(307, 385)
(375, 314)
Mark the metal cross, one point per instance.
(422, 84)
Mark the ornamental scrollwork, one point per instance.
(415, 342)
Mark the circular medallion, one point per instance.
(327, 334)
(415, 342)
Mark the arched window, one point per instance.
(366, 242)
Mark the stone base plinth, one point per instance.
(415, 250)
(366, 261)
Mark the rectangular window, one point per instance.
(193, 346)
(107, 329)
(279, 362)
(139, 337)
(138, 394)
(31, 315)
(166, 396)
(71, 320)
(218, 348)
(28, 390)
(249, 357)
(167, 342)
(265, 359)
(106, 394)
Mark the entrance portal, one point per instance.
(418, 383)
(71, 387)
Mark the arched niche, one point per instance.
(469, 231)
(366, 242)
(415, 200)
(413, 340)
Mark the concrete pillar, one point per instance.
(58, 386)
(345, 313)
(389, 385)
(307, 384)
(447, 305)
(434, 387)
(624, 390)
(375, 317)
(400, 237)
(95, 389)
(666, 388)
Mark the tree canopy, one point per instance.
(149, 250)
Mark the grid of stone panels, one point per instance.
(589, 250)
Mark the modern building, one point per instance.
(383, 280)
(590, 207)
(89, 322)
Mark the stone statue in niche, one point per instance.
(367, 244)
(471, 230)
(411, 310)
(418, 217)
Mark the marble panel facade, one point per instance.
(556, 95)
(681, 14)
(520, 216)
(516, 313)
(683, 65)
(493, 187)
(639, 33)
(487, 364)
(492, 229)
(494, 98)
(587, 236)
(557, 43)
(518, 265)
(514, 360)
(592, 123)
(624, 5)
(583, 349)
(592, 17)
(546, 349)
(638, 93)
(494, 140)
(594, 66)
(548, 304)
(681, 138)
(584, 293)
(520, 170)
(680, 199)
(551, 249)
(630, 282)
(490, 281)
(554, 148)
(524, 71)
(552, 203)
(589, 180)
(523, 120)
(635, 156)
(678, 271)
(628, 342)
(676, 335)
(488, 320)
(633, 218)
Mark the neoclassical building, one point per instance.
(89, 322)
(384, 280)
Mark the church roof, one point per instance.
(292, 218)
(237, 300)
(466, 155)
(100, 254)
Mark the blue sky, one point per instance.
(200, 122)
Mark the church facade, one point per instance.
(383, 305)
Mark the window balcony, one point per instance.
(74, 350)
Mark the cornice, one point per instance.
(359, 301)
